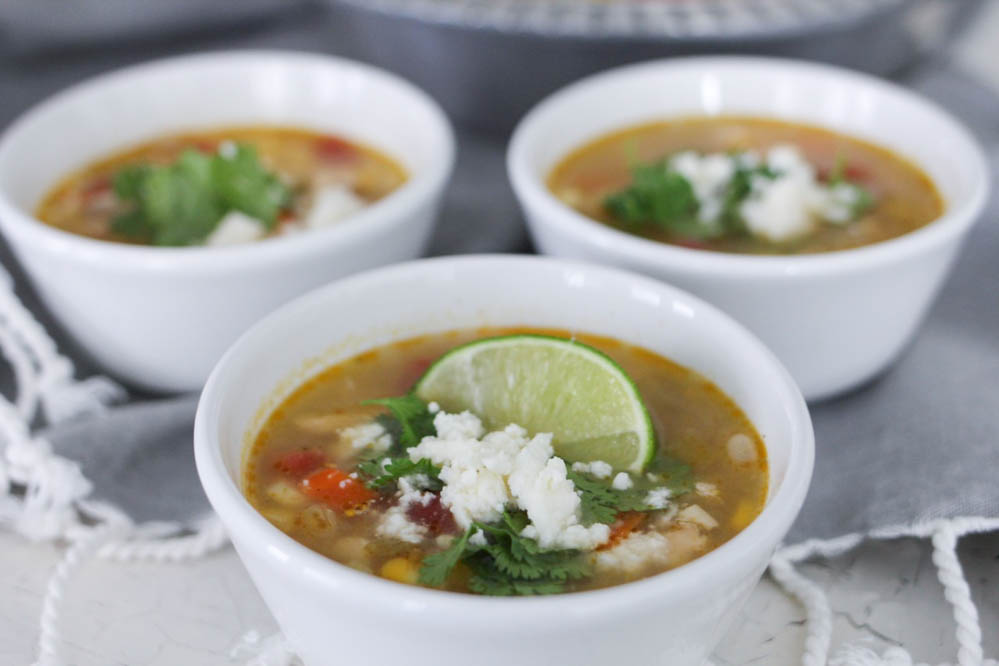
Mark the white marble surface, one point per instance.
(193, 614)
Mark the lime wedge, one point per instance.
(547, 384)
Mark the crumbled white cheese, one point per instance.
(485, 472)
(236, 228)
(433, 408)
(658, 498)
(698, 516)
(637, 552)
(789, 205)
(372, 434)
(540, 487)
(228, 149)
(838, 203)
(395, 522)
(478, 538)
(597, 469)
(622, 481)
(709, 176)
(332, 203)
(782, 205)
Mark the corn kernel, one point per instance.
(400, 570)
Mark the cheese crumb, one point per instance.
(236, 228)
(597, 469)
(332, 204)
(622, 481)
(373, 435)
(483, 473)
(658, 498)
(395, 522)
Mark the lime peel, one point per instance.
(547, 384)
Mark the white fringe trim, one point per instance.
(818, 624)
(45, 497)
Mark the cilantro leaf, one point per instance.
(244, 185)
(382, 473)
(437, 567)
(508, 563)
(601, 503)
(487, 579)
(658, 195)
(739, 187)
(178, 201)
(675, 474)
(181, 203)
(414, 418)
(598, 501)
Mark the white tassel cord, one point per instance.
(44, 496)
(818, 623)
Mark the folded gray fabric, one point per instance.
(916, 444)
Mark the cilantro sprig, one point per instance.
(660, 196)
(508, 563)
(412, 419)
(383, 473)
(409, 420)
(600, 502)
(181, 203)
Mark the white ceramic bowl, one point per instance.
(835, 319)
(159, 318)
(674, 618)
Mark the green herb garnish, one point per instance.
(658, 194)
(384, 472)
(182, 203)
(412, 416)
(508, 564)
(437, 567)
(408, 422)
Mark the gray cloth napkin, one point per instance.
(921, 442)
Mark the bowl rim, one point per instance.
(371, 222)
(768, 527)
(533, 194)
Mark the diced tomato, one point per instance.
(332, 149)
(434, 515)
(299, 463)
(691, 243)
(337, 489)
(625, 524)
(96, 187)
(856, 174)
(206, 146)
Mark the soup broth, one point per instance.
(309, 165)
(695, 424)
(902, 198)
